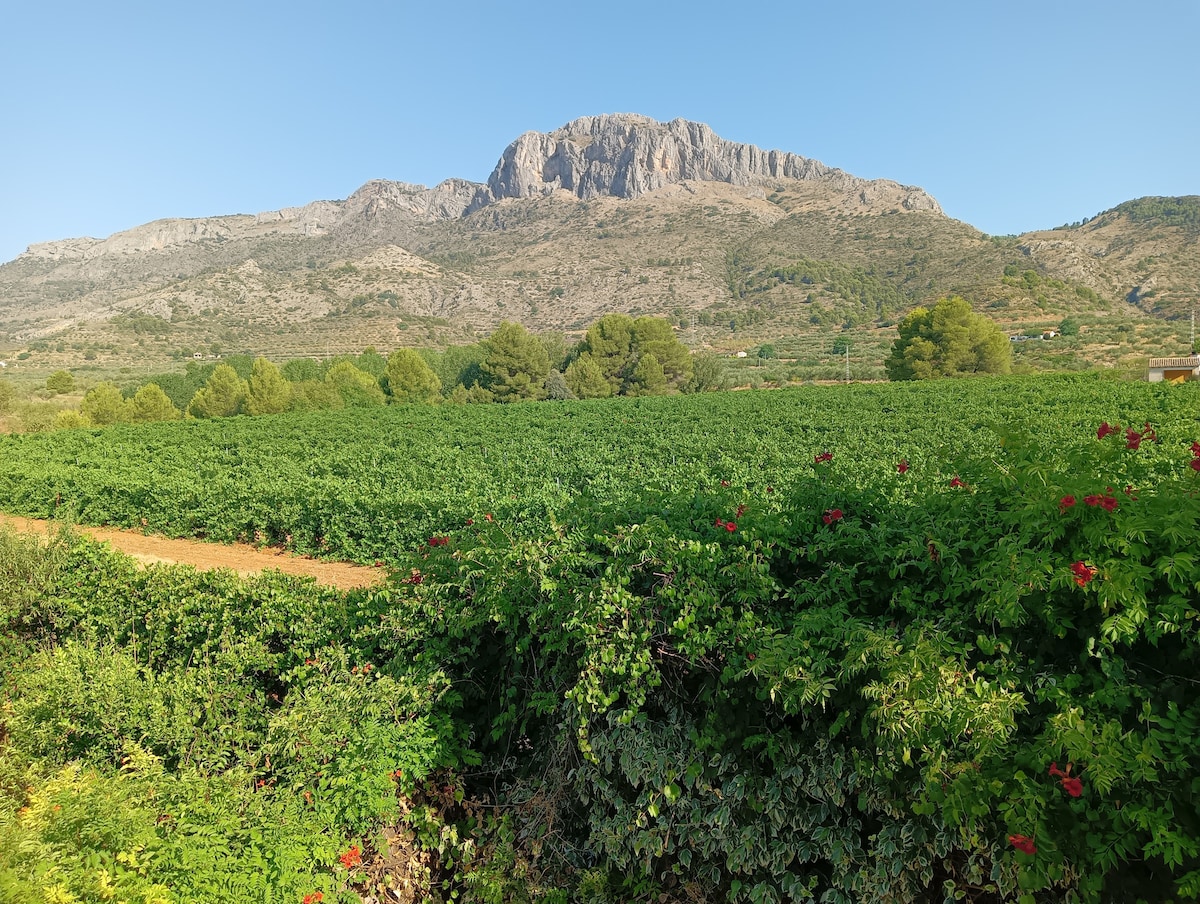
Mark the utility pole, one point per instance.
(847, 362)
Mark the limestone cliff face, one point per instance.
(626, 156)
(613, 155)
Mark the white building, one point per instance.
(1175, 370)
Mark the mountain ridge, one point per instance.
(609, 155)
(607, 213)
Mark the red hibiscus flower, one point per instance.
(438, 541)
(1023, 843)
(957, 482)
(1133, 439)
(823, 457)
(902, 466)
(832, 515)
(1196, 449)
(1105, 429)
(1083, 573)
(1065, 503)
(730, 526)
(1195, 464)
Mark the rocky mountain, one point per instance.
(612, 212)
(627, 156)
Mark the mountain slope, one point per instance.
(608, 213)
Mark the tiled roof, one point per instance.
(1188, 362)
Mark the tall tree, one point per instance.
(268, 391)
(150, 403)
(103, 404)
(410, 378)
(357, 388)
(222, 396)
(586, 379)
(616, 343)
(948, 341)
(515, 365)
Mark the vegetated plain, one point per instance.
(862, 643)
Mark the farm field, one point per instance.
(869, 643)
(370, 485)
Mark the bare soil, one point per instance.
(240, 558)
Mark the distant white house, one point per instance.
(1175, 370)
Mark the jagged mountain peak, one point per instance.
(627, 155)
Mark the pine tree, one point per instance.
(150, 403)
(269, 392)
(222, 396)
(103, 405)
(515, 365)
(410, 378)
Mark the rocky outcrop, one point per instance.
(626, 156)
(375, 199)
(617, 155)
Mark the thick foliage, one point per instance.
(826, 662)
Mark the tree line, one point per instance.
(619, 355)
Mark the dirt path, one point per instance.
(242, 559)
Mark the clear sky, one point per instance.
(1018, 115)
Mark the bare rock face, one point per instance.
(626, 156)
(447, 200)
(617, 155)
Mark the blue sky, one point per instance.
(1015, 116)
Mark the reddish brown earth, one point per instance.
(242, 559)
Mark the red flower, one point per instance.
(1065, 503)
(438, 541)
(718, 523)
(1070, 784)
(823, 457)
(470, 521)
(1105, 429)
(730, 526)
(1083, 574)
(1196, 449)
(1133, 439)
(313, 898)
(488, 517)
(351, 858)
(725, 483)
(1023, 844)
(1108, 501)
(902, 466)
(957, 482)
(1195, 464)
(832, 515)
(415, 578)
(741, 510)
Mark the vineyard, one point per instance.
(871, 643)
